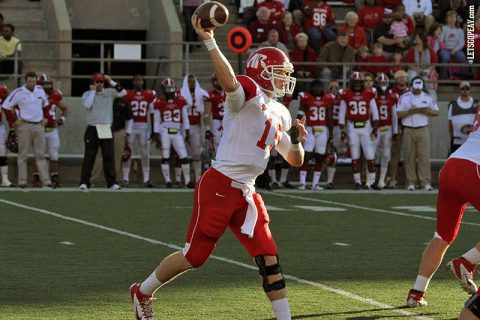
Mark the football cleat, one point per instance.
(6, 183)
(177, 184)
(169, 184)
(330, 186)
(381, 184)
(36, 181)
(191, 185)
(275, 185)
(357, 186)
(416, 299)
(375, 186)
(463, 270)
(428, 187)
(301, 187)
(411, 187)
(317, 187)
(287, 185)
(125, 183)
(148, 184)
(83, 186)
(115, 187)
(142, 304)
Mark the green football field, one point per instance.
(66, 254)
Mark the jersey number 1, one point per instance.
(262, 142)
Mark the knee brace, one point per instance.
(356, 165)
(3, 161)
(371, 165)
(184, 161)
(266, 271)
(165, 160)
(473, 304)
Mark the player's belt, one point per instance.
(359, 124)
(385, 129)
(172, 130)
(318, 129)
(218, 118)
(49, 129)
(32, 122)
(408, 127)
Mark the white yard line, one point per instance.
(230, 261)
(354, 206)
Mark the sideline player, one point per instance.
(357, 107)
(3, 139)
(140, 101)
(254, 123)
(217, 100)
(459, 184)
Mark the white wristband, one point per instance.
(211, 44)
(295, 147)
(63, 118)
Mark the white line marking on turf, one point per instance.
(341, 244)
(416, 208)
(347, 294)
(321, 209)
(68, 243)
(347, 205)
(272, 208)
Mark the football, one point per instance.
(212, 14)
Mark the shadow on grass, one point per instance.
(366, 317)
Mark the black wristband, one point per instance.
(293, 132)
(118, 87)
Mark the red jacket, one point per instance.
(303, 56)
(283, 33)
(357, 38)
(370, 17)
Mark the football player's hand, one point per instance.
(374, 134)
(330, 143)
(208, 135)
(203, 34)
(60, 121)
(297, 132)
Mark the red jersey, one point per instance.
(357, 105)
(3, 95)
(370, 17)
(316, 108)
(275, 8)
(139, 102)
(50, 111)
(385, 106)
(171, 110)
(320, 15)
(335, 106)
(218, 103)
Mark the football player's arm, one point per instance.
(394, 119)
(207, 115)
(62, 106)
(374, 111)
(341, 114)
(156, 121)
(129, 126)
(450, 122)
(330, 121)
(290, 147)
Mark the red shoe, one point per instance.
(463, 270)
(142, 304)
(415, 299)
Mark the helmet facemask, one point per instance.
(274, 72)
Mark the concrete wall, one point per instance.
(110, 15)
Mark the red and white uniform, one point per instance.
(253, 125)
(355, 113)
(321, 14)
(459, 184)
(141, 104)
(387, 121)
(52, 139)
(336, 139)
(316, 110)
(170, 117)
(3, 135)
(217, 98)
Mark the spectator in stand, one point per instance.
(259, 28)
(434, 38)
(288, 30)
(454, 39)
(9, 45)
(188, 8)
(302, 53)
(369, 17)
(318, 23)
(399, 28)
(356, 34)
(273, 41)
(382, 34)
(421, 12)
(400, 87)
(396, 63)
(390, 4)
(461, 115)
(275, 8)
(423, 57)
(296, 8)
(414, 108)
(400, 10)
(335, 51)
(379, 58)
(360, 58)
(460, 6)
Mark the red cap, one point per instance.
(98, 76)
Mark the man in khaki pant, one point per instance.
(414, 108)
(30, 99)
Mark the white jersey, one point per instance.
(253, 124)
(470, 150)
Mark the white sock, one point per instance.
(273, 175)
(330, 174)
(146, 175)
(126, 170)
(316, 178)
(356, 177)
(303, 177)
(197, 168)
(283, 175)
(186, 172)
(281, 309)
(383, 173)
(421, 283)
(472, 255)
(178, 174)
(371, 178)
(4, 173)
(166, 172)
(150, 285)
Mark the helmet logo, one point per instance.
(255, 60)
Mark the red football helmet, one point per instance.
(3, 92)
(382, 83)
(169, 88)
(331, 156)
(265, 65)
(357, 81)
(43, 79)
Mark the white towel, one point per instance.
(199, 94)
(251, 217)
